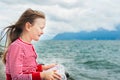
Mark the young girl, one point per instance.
(20, 56)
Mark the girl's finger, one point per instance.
(57, 76)
(52, 78)
(54, 71)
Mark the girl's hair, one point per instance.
(14, 31)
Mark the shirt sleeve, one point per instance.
(39, 68)
(16, 57)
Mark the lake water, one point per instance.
(83, 60)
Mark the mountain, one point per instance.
(99, 34)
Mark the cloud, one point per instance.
(66, 16)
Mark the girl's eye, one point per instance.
(41, 27)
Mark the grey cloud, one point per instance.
(87, 15)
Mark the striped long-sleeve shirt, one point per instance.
(21, 62)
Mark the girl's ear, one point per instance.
(27, 26)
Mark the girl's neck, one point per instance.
(25, 39)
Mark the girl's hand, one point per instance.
(46, 67)
(50, 75)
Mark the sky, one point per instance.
(65, 15)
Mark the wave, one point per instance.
(101, 64)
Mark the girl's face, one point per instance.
(37, 28)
